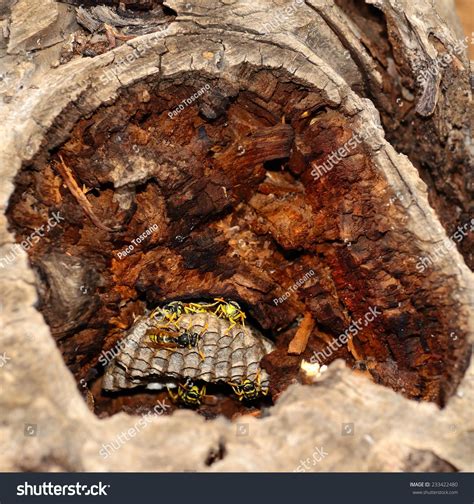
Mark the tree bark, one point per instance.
(265, 140)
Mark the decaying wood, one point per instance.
(226, 184)
(101, 17)
(76, 191)
(298, 344)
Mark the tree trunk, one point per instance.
(205, 149)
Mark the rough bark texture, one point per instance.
(228, 183)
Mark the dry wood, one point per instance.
(300, 340)
(239, 215)
(79, 194)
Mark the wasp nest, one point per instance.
(223, 353)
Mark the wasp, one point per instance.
(197, 307)
(188, 394)
(249, 389)
(170, 312)
(173, 339)
(364, 365)
(188, 340)
(175, 309)
(229, 310)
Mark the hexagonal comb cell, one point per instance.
(223, 353)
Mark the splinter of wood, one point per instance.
(298, 344)
(78, 194)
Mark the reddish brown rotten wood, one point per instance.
(79, 194)
(298, 344)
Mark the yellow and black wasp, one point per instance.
(249, 389)
(188, 394)
(229, 310)
(170, 312)
(174, 339)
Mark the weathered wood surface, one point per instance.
(362, 227)
(391, 433)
